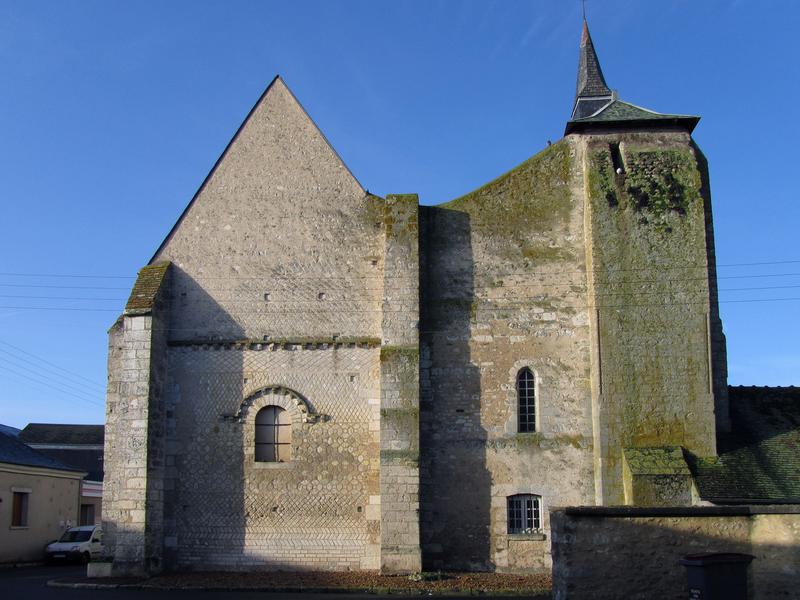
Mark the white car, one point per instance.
(76, 543)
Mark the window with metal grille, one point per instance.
(526, 401)
(524, 513)
(19, 509)
(273, 435)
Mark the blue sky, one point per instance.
(113, 112)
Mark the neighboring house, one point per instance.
(39, 499)
(8, 430)
(308, 376)
(80, 447)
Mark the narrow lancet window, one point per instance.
(526, 401)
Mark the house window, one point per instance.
(524, 513)
(19, 509)
(87, 514)
(273, 435)
(526, 401)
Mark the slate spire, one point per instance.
(598, 108)
(592, 93)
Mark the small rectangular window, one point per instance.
(87, 514)
(19, 509)
(524, 513)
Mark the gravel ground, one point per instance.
(362, 581)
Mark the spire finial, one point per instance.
(583, 6)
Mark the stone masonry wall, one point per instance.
(608, 553)
(133, 451)
(313, 512)
(399, 417)
(280, 240)
(277, 294)
(504, 288)
(651, 313)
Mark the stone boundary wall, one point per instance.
(632, 553)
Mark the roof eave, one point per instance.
(686, 123)
(741, 501)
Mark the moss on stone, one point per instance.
(403, 457)
(148, 285)
(533, 196)
(662, 181)
(665, 460)
(521, 441)
(542, 253)
(389, 352)
(396, 205)
(404, 412)
(657, 183)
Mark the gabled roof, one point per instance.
(15, 452)
(759, 460)
(54, 433)
(275, 84)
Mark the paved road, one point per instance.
(29, 584)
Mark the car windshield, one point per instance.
(76, 535)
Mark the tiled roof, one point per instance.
(15, 452)
(624, 111)
(760, 459)
(620, 112)
(53, 433)
(88, 460)
(146, 288)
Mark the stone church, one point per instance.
(309, 376)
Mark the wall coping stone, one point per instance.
(678, 511)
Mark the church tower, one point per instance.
(658, 352)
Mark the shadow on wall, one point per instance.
(610, 553)
(455, 485)
(204, 506)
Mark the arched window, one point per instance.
(526, 401)
(273, 435)
(524, 513)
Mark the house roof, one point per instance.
(15, 452)
(759, 460)
(88, 460)
(8, 430)
(54, 433)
